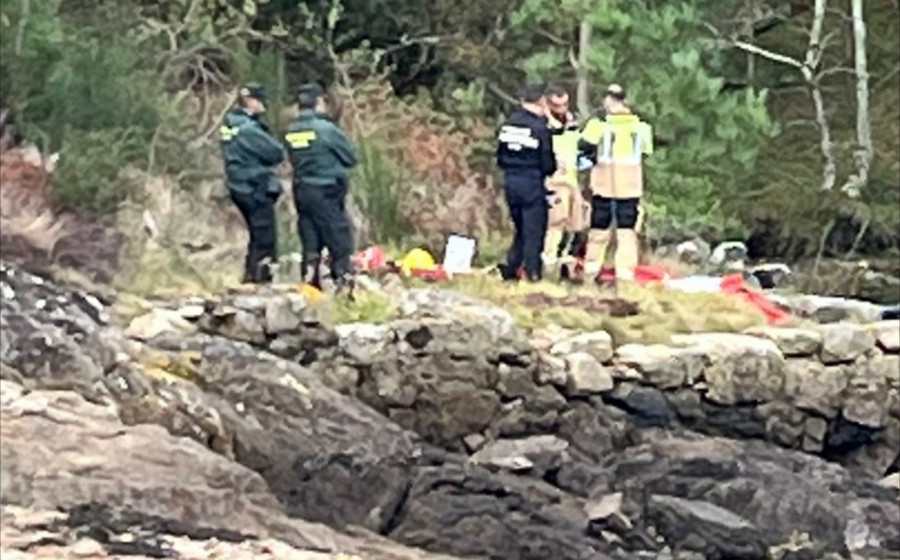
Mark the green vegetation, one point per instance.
(142, 84)
(661, 312)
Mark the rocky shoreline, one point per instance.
(247, 422)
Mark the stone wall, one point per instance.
(832, 390)
(553, 461)
(458, 373)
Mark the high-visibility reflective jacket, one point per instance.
(567, 208)
(565, 145)
(622, 140)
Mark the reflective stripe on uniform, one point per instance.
(228, 133)
(300, 139)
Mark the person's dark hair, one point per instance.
(308, 94)
(532, 93)
(555, 90)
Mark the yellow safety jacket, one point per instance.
(565, 145)
(567, 206)
(621, 139)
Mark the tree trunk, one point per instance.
(863, 154)
(20, 29)
(809, 69)
(584, 45)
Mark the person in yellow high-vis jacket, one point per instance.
(567, 212)
(619, 140)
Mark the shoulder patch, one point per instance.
(301, 139)
(227, 133)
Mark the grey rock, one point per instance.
(704, 527)
(741, 368)
(666, 367)
(824, 309)
(887, 335)
(792, 342)
(778, 492)
(474, 442)
(586, 376)
(844, 342)
(541, 453)
(551, 370)
(468, 512)
(284, 313)
(647, 405)
(158, 322)
(891, 481)
(598, 344)
(866, 400)
(364, 344)
(191, 311)
(820, 388)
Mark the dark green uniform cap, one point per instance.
(254, 90)
(311, 89)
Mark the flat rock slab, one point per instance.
(887, 335)
(666, 367)
(598, 344)
(740, 368)
(844, 342)
(586, 376)
(544, 452)
(704, 527)
(792, 342)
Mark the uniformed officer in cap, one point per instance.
(525, 154)
(251, 155)
(321, 157)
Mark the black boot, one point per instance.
(312, 273)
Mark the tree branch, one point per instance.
(20, 29)
(753, 49)
(499, 92)
(886, 78)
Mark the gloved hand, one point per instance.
(552, 198)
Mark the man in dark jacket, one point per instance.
(525, 154)
(251, 154)
(322, 158)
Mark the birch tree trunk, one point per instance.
(864, 153)
(584, 45)
(810, 64)
(809, 68)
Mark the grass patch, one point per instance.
(165, 272)
(366, 307)
(661, 312)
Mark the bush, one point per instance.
(88, 178)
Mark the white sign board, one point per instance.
(459, 251)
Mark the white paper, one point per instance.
(458, 254)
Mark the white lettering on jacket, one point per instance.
(518, 137)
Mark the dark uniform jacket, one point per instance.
(320, 153)
(525, 154)
(250, 153)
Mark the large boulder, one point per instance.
(59, 452)
(466, 511)
(733, 499)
